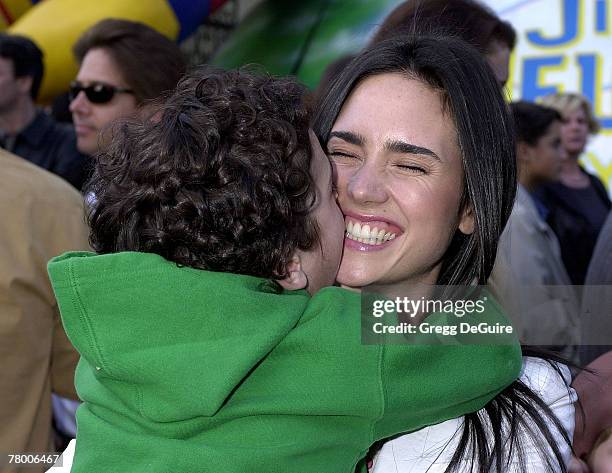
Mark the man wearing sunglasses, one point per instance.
(25, 130)
(123, 65)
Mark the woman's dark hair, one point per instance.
(218, 179)
(532, 121)
(470, 20)
(149, 62)
(484, 133)
(330, 73)
(471, 96)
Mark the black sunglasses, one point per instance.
(97, 92)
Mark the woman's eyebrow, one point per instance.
(396, 146)
(349, 137)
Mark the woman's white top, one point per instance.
(64, 463)
(431, 449)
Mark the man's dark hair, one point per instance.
(470, 20)
(495, 435)
(532, 121)
(26, 57)
(149, 62)
(218, 179)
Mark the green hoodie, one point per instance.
(184, 370)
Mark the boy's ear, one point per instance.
(296, 277)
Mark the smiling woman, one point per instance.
(423, 150)
(423, 140)
(402, 176)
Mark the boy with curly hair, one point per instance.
(201, 350)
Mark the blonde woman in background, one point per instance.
(576, 206)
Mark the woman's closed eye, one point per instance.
(337, 155)
(411, 168)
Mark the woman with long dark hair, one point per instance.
(424, 155)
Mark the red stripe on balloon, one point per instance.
(6, 14)
(214, 4)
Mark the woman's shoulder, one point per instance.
(548, 379)
(431, 448)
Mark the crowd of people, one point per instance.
(214, 238)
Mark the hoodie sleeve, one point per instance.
(431, 378)
(405, 382)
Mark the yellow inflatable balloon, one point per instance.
(55, 25)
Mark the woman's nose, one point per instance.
(366, 186)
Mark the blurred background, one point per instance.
(563, 45)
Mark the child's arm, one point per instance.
(421, 380)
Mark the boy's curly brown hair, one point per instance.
(218, 178)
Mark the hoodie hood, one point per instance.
(141, 320)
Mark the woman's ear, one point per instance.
(466, 224)
(296, 277)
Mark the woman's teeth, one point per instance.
(365, 234)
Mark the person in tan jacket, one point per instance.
(42, 216)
